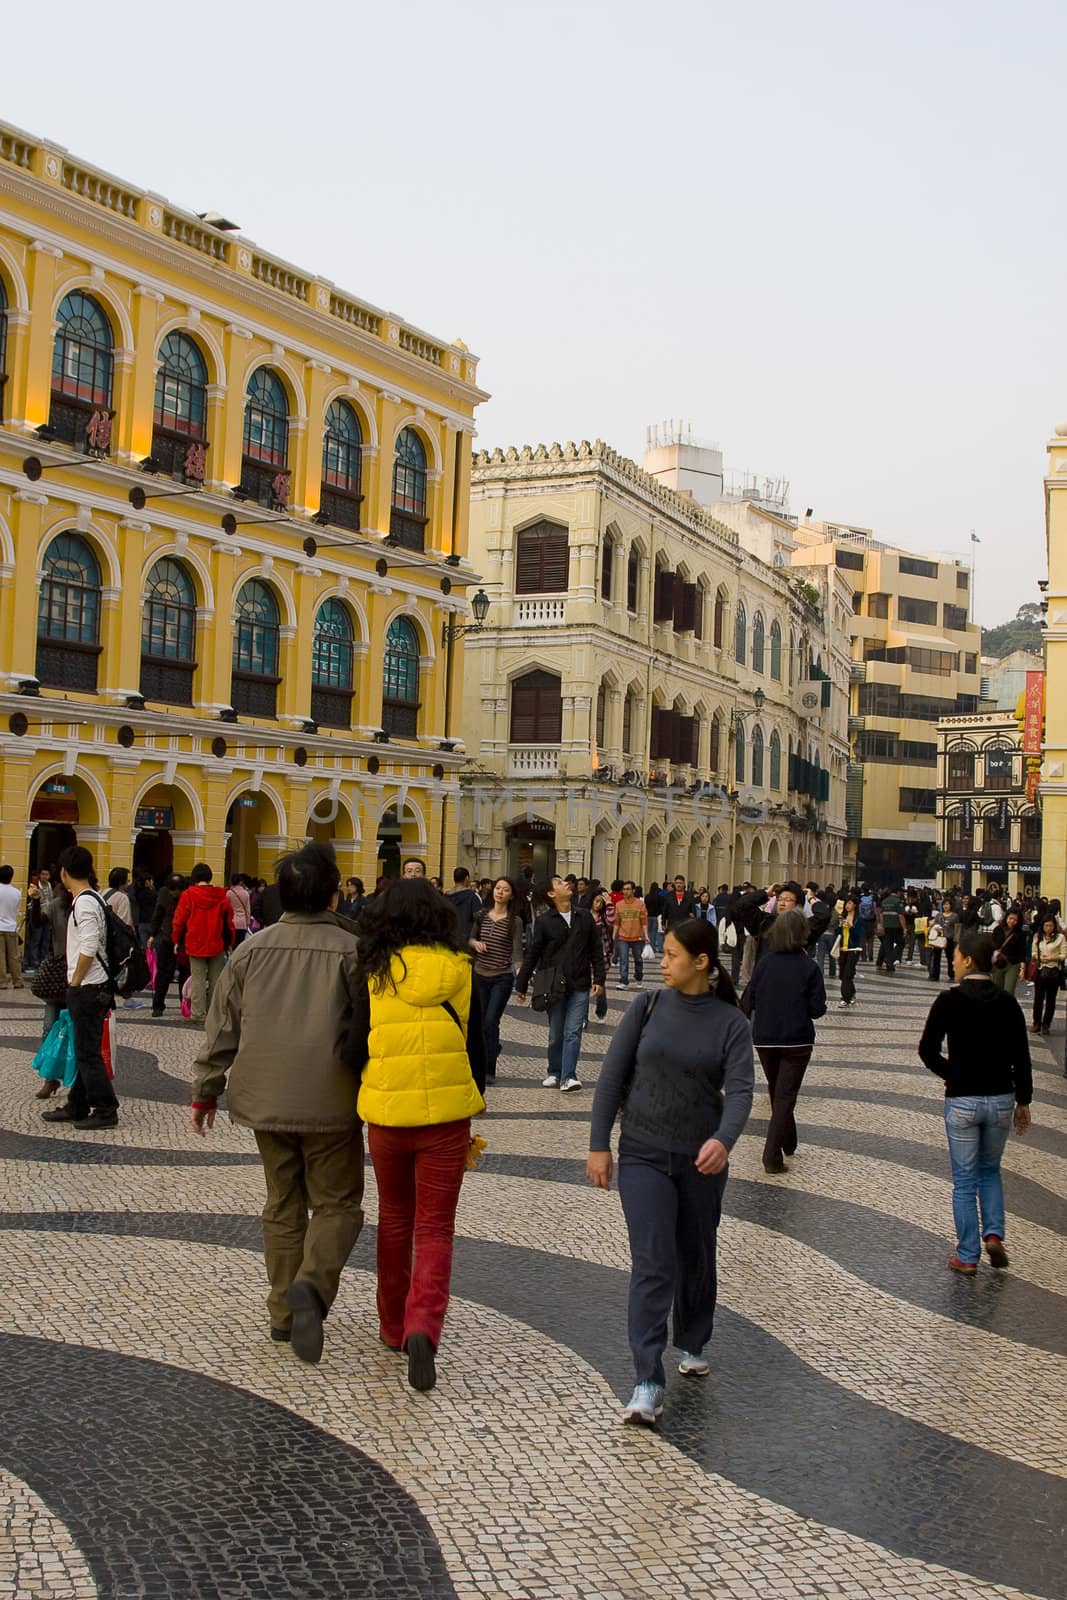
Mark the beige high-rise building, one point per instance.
(915, 660)
(648, 697)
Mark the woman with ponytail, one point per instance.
(679, 1069)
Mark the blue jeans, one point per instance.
(655, 935)
(822, 952)
(494, 993)
(566, 1022)
(978, 1129)
(624, 947)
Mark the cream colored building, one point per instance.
(914, 661)
(647, 697)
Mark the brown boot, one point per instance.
(47, 1089)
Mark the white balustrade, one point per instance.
(533, 761)
(540, 613)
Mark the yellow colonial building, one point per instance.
(1053, 789)
(233, 525)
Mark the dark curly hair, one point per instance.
(409, 911)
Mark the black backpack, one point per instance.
(124, 960)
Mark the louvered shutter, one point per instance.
(664, 603)
(698, 611)
(694, 741)
(536, 709)
(685, 595)
(555, 563)
(607, 564)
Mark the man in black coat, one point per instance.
(566, 943)
(678, 904)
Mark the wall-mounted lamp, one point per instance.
(480, 607)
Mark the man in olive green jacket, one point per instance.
(278, 1025)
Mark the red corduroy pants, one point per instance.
(418, 1172)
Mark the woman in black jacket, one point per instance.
(988, 1088)
(784, 996)
(1009, 951)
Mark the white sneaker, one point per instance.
(571, 1083)
(693, 1366)
(644, 1405)
(551, 1082)
(843, 1005)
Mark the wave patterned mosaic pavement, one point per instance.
(873, 1428)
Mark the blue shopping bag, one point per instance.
(55, 1058)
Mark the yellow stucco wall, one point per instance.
(1053, 790)
(153, 269)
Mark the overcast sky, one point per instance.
(829, 235)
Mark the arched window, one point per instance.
(82, 371)
(757, 643)
(536, 709)
(720, 618)
(776, 651)
(3, 343)
(776, 760)
(633, 569)
(179, 419)
(408, 519)
(254, 681)
(168, 634)
(739, 753)
(757, 757)
(542, 559)
(628, 722)
(740, 633)
(400, 689)
(342, 448)
(264, 471)
(68, 615)
(607, 567)
(332, 664)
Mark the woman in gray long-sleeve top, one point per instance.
(680, 1070)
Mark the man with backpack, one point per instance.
(91, 1101)
(203, 924)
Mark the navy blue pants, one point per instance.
(672, 1215)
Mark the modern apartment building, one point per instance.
(647, 697)
(233, 519)
(915, 660)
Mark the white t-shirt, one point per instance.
(10, 908)
(566, 915)
(87, 936)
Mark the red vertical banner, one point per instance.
(1032, 781)
(1034, 713)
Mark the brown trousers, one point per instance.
(320, 1173)
(10, 965)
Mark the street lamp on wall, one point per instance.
(480, 607)
(738, 717)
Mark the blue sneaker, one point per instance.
(645, 1405)
(693, 1366)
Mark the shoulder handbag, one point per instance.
(548, 987)
(835, 948)
(936, 937)
(50, 980)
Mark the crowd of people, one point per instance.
(325, 1008)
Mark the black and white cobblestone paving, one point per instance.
(874, 1427)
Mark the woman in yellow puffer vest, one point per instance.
(417, 1040)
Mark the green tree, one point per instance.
(1023, 632)
(935, 860)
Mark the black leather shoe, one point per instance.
(775, 1168)
(281, 1335)
(422, 1372)
(97, 1119)
(306, 1338)
(59, 1114)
